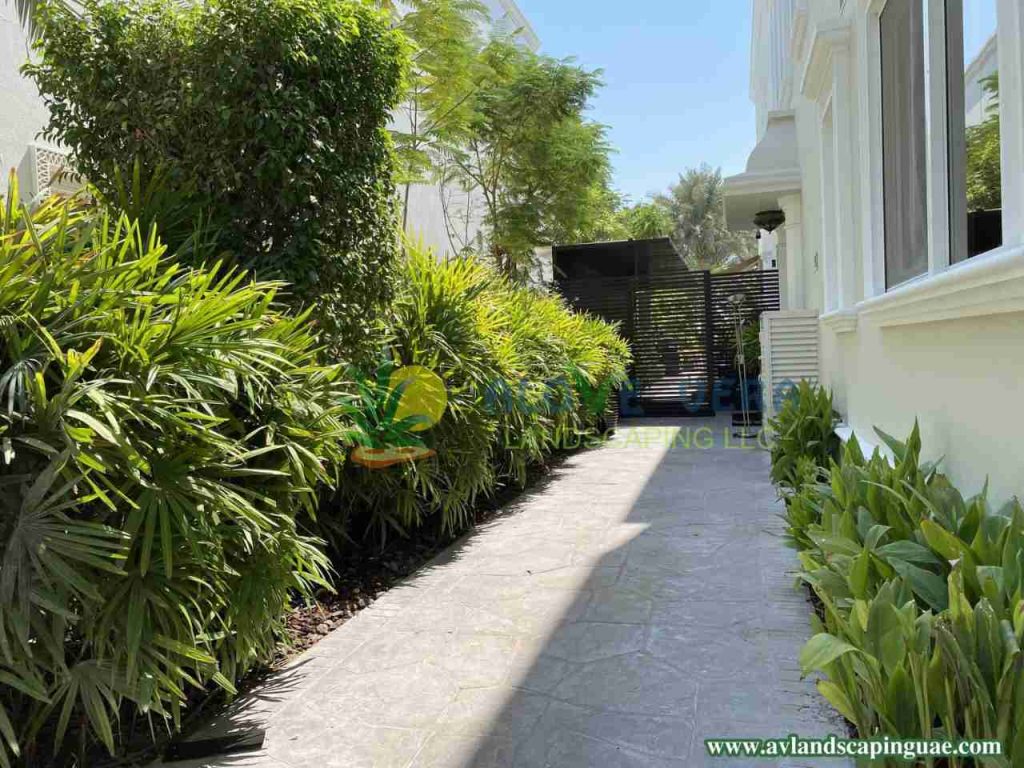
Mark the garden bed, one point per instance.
(918, 590)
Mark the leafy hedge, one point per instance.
(522, 373)
(167, 434)
(923, 599)
(161, 429)
(173, 446)
(267, 116)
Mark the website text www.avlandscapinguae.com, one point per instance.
(833, 746)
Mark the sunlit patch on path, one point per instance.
(639, 601)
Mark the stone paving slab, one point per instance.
(639, 602)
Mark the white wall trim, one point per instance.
(871, 183)
(841, 321)
(817, 70)
(992, 284)
(800, 22)
(937, 135)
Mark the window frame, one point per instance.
(1010, 35)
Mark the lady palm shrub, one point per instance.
(562, 366)
(161, 429)
(520, 371)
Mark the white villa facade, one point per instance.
(22, 114)
(911, 280)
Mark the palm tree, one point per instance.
(700, 234)
(28, 12)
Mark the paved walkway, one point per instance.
(637, 603)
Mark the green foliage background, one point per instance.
(984, 155)
(269, 117)
(176, 433)
(513, 361)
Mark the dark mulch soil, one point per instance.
(364, 577)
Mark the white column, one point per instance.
(780, 59)
(845, 174)
(829, 252)
(792, 263)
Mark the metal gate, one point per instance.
(680, 326)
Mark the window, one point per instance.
(904, 159)
(975, 182)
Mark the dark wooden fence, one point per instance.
(680, 325)
(760, 292)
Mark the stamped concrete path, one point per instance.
(639, 601)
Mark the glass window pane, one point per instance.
(903, 140)
(975, 169)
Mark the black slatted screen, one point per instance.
(678, 322)
(760, 291)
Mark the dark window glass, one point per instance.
(903, 141)
(975, 186)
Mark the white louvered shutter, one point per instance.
(44, 171)
(789, 353)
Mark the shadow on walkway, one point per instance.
(688, 629)
(639, 602)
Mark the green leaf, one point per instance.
(884, 635)
(909, 552)
(860, 575)
(926, 585)
(901, 703)
(941, 540)
(835, 696)
(821, 650)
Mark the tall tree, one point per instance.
(606, 219)
(699, 232)
(984, 162)
(446, 43)
(649, 219)
(611, 217)
(529, 151)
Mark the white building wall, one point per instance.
(948, 348)
(22, 114)
(447, 219)
(979, 102)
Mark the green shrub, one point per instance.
(268, 116)
(517, 366)
(160, 431)
(923, 599)
(803, 428)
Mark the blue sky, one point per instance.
(979, 24)
(676, 80)
(676, 76)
